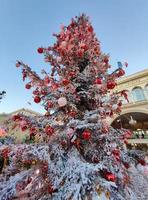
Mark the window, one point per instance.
(138, 94)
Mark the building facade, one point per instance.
(9, 124)
(134, 113)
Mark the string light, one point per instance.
(37, 171)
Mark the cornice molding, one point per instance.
(132, 77)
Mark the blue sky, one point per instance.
(121, 26)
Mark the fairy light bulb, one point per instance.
(37, 171)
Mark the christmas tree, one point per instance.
(71, 153)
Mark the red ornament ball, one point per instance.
(65, 82)
(98, 81)
(121, 72)
(120, 104)
(142, 162)
(16, 117)
(49, 130)
(72, 74)
(40, 50)
(24, 128)
(106, 60)
(110, 177)
(86, 135)
(126, 165)
(28, 86)
(37, 99)
(49, 104)
(90, 29)
(72, 113)
(44, 92)
(111, 85)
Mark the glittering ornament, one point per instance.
(126, 165)
(72, 74)
(49, 130)
(90, 29)
(24, 128)
(116, 153)
(86, 135)
(120, 104)
(98, 81)
(37, 99)
(72, 113)
(121, 72)
(49, 104)
(111, 84)
(109, 176)
(65, 82)
(28, 86)
(46, 80)
(40, 50)
(62, 101)
(55, 86)
(142, 162)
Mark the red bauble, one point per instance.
(37, 99)
(72, 74)
(55, 86)
(86, 135)
(121, 72)
(49, 130)
(109, 176)
(116, 153)
(49, 104)
(28, 86)
(106, 60)
(98, 81)
(64, 143)
(32, 130)
(72, 113)
(23, 128)
(80, 53)
(40, 50)
(5, 152)
(16, 117)
(111, 85)
(120, 104)
(65, 82)
(90, 29)
(50, 189)
(46, 80)
(126, 165)
(125, 141)
(36, 92)
(44, 92)
(142, 162)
